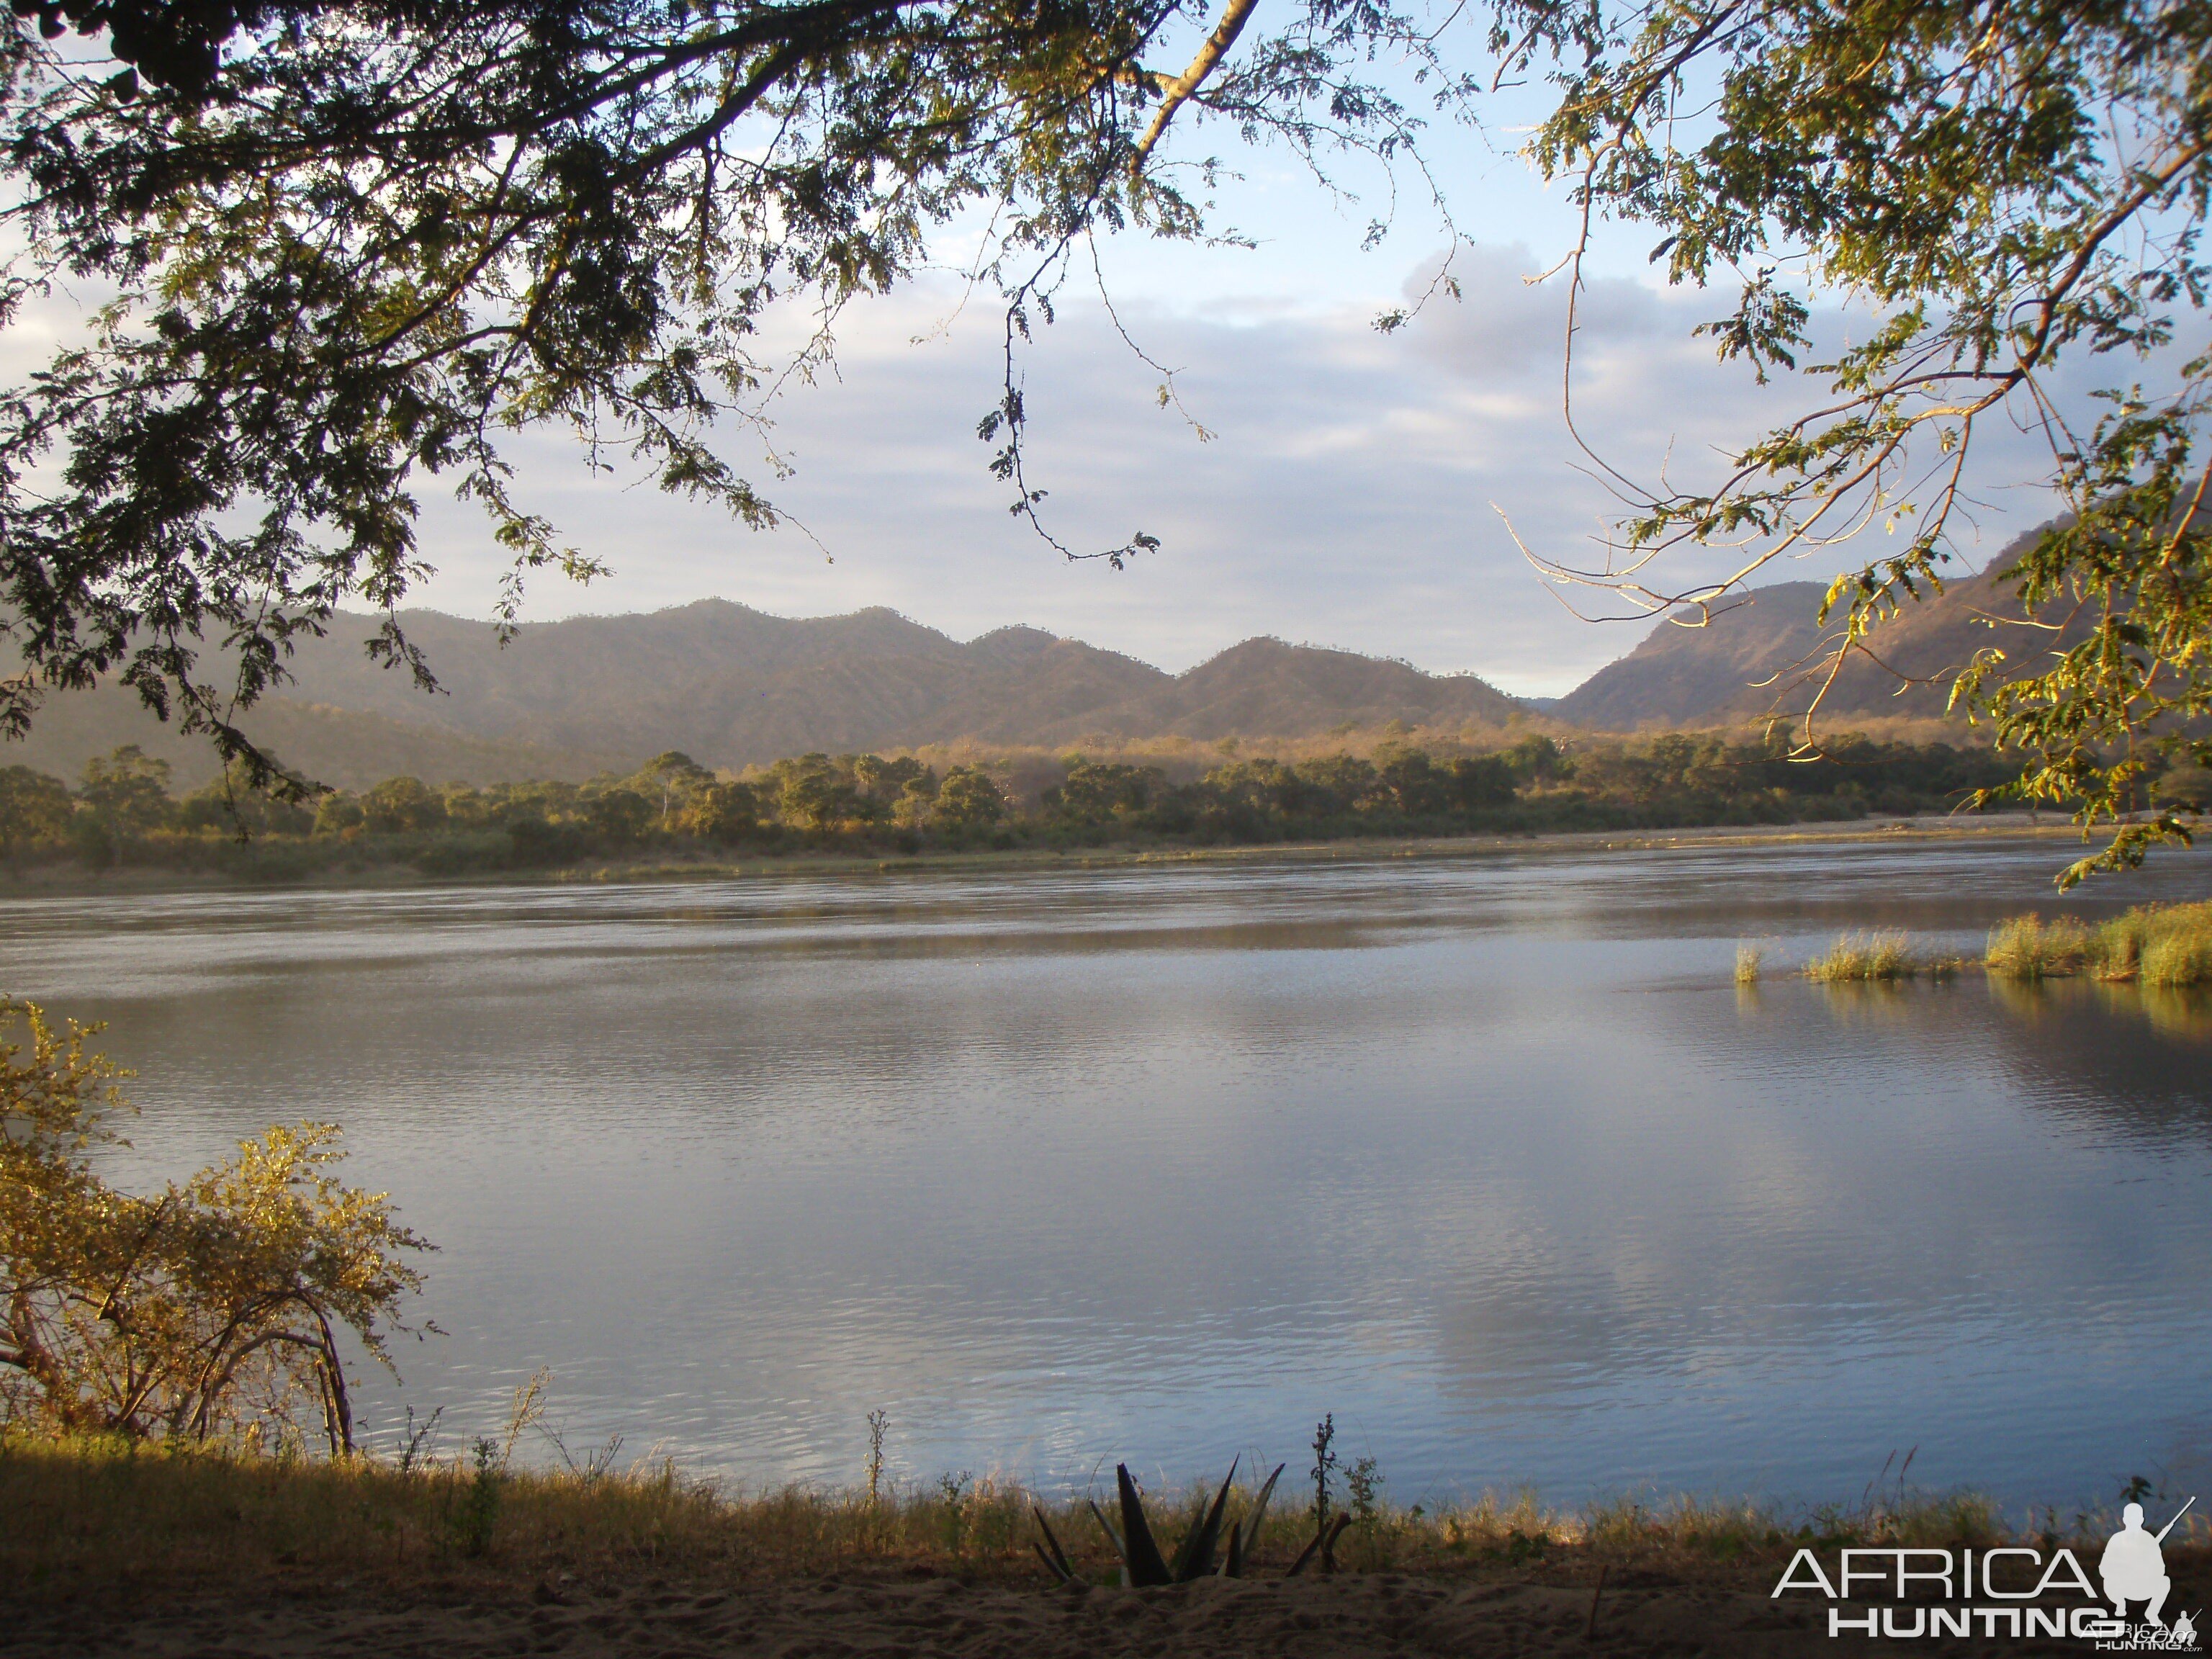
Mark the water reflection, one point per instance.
(1488, 1157)
(2128, 1059)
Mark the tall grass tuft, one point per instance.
(2178, 958)
(2029, 948)
(1883, 956)
(1747, 964)
(2167, 945)
(2116, 948)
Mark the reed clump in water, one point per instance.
(1747, 960)
(2165, 945)
(1882, 957)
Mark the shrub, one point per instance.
(209, 1311)
(619, 816)
(337, 812)
(967, 801)
(34, 808)
(403, 805)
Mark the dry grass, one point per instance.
(2163, 947)
(2180, 957)
(2168, 946)
(2028, 948)
(1748, 959)
(85, 1514)
(1881, 957)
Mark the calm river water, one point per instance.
(1485, 1155)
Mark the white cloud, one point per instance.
(1347, 498)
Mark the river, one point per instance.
(1487, 1155)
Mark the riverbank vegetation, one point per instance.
(2162, 946)
(2154, 945)
(122, 813)
(90, 1511)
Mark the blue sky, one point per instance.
(1353, 493)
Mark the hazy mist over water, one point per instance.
(1487, 1155)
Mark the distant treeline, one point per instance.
(122, 811)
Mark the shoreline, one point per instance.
(196, 1554)
(69, 881)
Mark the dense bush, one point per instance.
(208, 1311)
(123, 812)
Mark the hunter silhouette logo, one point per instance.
(2134, 1568)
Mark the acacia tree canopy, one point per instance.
(1997, 189)
(352, 245)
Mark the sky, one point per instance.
(1357, 489)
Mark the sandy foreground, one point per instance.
(1379, 1614)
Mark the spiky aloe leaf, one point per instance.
(1057, 1560)
(1244, 1536)
(1194, 1557)
(1141, 1554)
(1112, 1537)
(1325, 1541)
(1328, 1544)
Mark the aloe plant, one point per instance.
(1246, 1533)
(1200, 1554)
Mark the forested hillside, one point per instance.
(1764, 655)
(736, 688)
(1678, 676)
(347, 749)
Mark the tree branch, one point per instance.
(1178, 91)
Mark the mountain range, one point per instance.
(733, 686)
(1767, 652)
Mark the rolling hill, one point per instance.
(1757, 657)
(1680, 675)
(732, 687)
